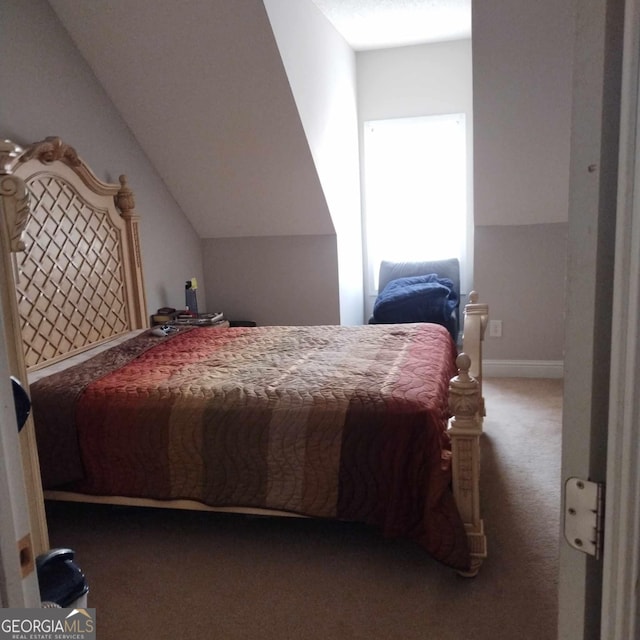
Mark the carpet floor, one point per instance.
(174, 575)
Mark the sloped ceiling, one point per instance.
(203, 89)
(378, 24)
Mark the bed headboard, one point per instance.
(77, 262)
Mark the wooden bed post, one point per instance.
(465, 429)
(126, 204)
(476, 317)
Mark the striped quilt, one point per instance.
(324, 421)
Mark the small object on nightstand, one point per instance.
(191, 299)
(164, 315)
(202, 320)
(211, 317)
(161, 331)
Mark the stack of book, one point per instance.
(200, 319)
(164, 316)
(173, 316)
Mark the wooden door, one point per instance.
(593, 372)
(621, 571)
(14, 209)
(23, 532)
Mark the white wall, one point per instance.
(419, 80)
(522, 84)
(48, 89)
(522, 276)
(321, 69)
(205, 89)
(279, 280)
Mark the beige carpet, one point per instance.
(159, 575)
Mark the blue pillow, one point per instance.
(416, 299)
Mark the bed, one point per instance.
(378, 424)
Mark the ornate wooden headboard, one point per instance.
(77, 261)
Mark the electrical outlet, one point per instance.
(495, 328)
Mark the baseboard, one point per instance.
(523, 368)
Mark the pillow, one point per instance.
(416, 299)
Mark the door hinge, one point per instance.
(584, 515)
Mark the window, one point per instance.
(415, 190)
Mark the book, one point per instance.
(212, 317)
(204, 319)
(164, 318)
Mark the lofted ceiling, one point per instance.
(206, 95)
(378, 24)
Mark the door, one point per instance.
(591, 317)
(621, 571)
(23, 531)
(19, 587)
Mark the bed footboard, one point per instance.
(476, 317)
(465, 428)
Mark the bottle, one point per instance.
(191, 301)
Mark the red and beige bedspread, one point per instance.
(325, 421)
